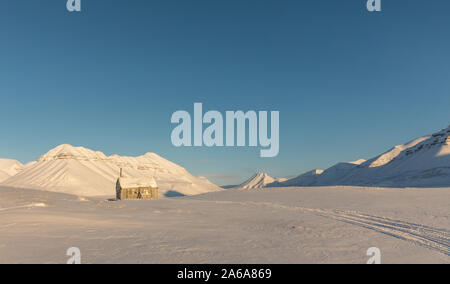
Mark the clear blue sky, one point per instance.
(348, 84)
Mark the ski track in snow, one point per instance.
(431, 238)
(421, 235)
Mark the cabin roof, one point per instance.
(136, 182)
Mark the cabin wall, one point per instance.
(137, 193)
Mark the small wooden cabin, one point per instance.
(136, 188)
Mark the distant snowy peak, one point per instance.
(430, 154)
(259, 180)
(439, 141)
(320, 177)
(431, 146)
(390, 155)
(358, 162)
(306, 179)
(69, 152)
(149, 161)
(312, 173)
(315, 172)
(9, 168)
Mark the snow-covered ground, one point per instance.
(276, 225)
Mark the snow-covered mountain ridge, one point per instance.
(81, 171)
(422, 162)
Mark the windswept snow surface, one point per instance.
(424, 162)
(83, 172)
(9, 168)
(276, 225)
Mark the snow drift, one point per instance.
(83, 172)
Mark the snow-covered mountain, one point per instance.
(80, 171)
(336, 172)
(423, 162)
(306, 179)
(259, 180)
(9, 168)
